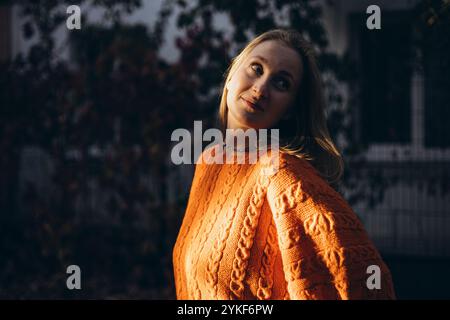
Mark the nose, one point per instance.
(260, 89)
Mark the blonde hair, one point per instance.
(305, 133)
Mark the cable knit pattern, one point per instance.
(265, 281)
(219, 246)
(192, 207)
(254, 233)
(229, 180)
(197, 292)
(245, 242)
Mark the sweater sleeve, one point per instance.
(325, 250)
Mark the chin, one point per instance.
(248, 120)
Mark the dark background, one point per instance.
(85, 172)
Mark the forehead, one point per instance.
(278, 57)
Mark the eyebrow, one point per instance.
(281, 71)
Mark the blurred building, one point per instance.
(401, 115)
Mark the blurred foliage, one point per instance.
(105, 118)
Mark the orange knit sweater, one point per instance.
(247, 234)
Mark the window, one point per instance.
(384, 59)
(5, 32)
(437, 86)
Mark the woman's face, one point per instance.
(263, 87)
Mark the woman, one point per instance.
(247, 234)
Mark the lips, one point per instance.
(252, 104)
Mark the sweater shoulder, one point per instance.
(298, 173)
(286, 166)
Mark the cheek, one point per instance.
(231, 89)
(234, 89)
(231, 85)
(240, 81)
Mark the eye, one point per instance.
(281, 83)
(257, 68)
